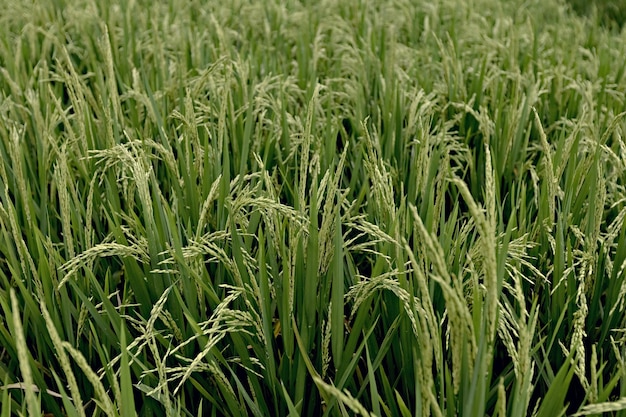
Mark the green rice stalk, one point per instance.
(32, 402)
(63, 360)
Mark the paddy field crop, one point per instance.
(312, 208)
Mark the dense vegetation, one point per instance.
(287, 207)
(606, 13)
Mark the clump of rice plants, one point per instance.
(608, 13)
(388, 208)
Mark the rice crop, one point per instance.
(312, 208)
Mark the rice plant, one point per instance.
(333, 208)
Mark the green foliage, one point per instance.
(608, 13)
(311, 208)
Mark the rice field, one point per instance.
(312, 208)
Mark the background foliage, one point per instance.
(608, 13)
